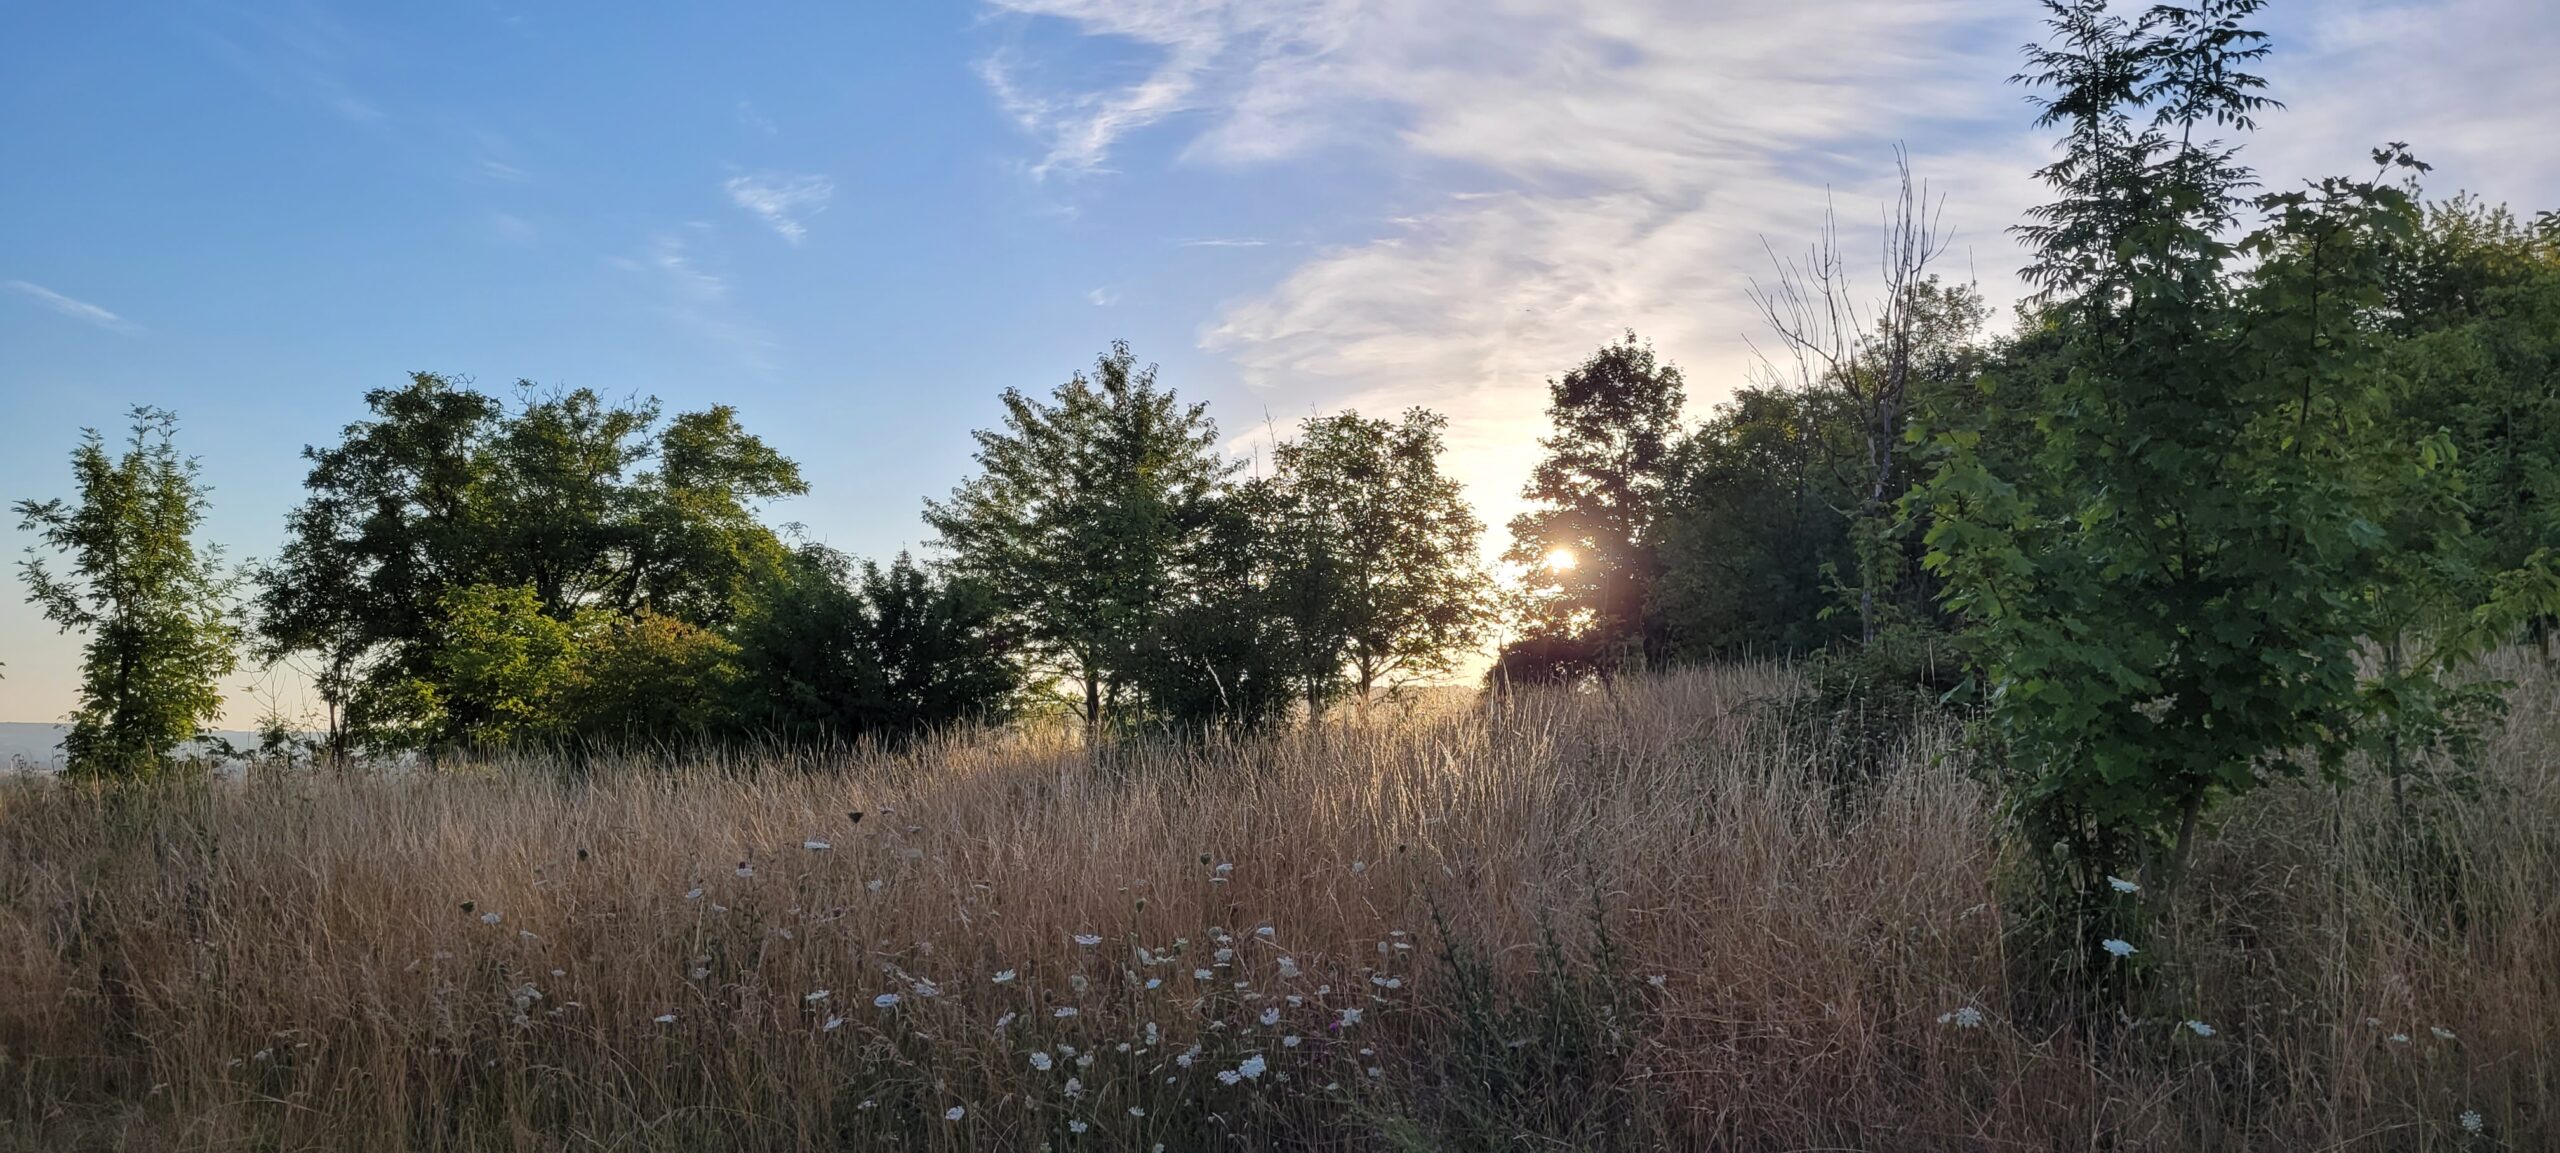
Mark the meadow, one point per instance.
(1669, 914)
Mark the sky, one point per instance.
(860, 222)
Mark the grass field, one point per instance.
(1662, 916)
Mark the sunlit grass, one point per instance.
(1640, 918)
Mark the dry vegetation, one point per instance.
(1660, 917)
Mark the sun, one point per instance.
(1560, 560)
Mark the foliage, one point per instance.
(1589, 553)
(1086, 522)
(1377, 573)
(157, 609)
(445, 488)
(2171, 568)
(827, 651)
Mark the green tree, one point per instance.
(1588, 553)
(1377, 578)
(1754, 527)
(157, 608)
(1085, 521)
(594, 506)
(2168, 573)
(830, 652)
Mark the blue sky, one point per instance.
(859, 221)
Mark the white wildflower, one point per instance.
(2442, 1033)
(1264, 932)
(1967, 1017)
(693, 894)
(1137, 1111)
(1201, 974)
(666, 1018)
(2199, 1028)
(1350, 1017)
(954, 1113)
(1088, 940)
(1004, 975)
(1229, 1076)
(1064, 1011)
(1041, 1060)
(1271, 1016)
(873, 884)
(2121, 885)
(927, 989)
(1253, 1066)
(2118, 947)
(885, 1001)
(1226, 868)
(2399, 1038)
(1155, 982)
(1289, 967)
(1077, 1126)
(814, 998)
(1289, 1042)
(816, 846)
(746, 870)
(2470, 1121)
(489, 918)
(1658, 980)
(1075, 1087)
(833, 1024)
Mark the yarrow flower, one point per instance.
(1658, 980)
(489, 918)
(1075, 1087)
(1064, 1011)
(666, 1018)
(1253, 1066)
(1289, 967)
(955, 1113)
(1229, 1076)
(2199, 1028)
(1967, 1017)
(833, 1023)
(2442, 1033)
(1201, 974)
(1271, 1016)
(816, 846)
(1004, 975)
(885, 1001)
(1088, 940)
(1077, 1126)
(2470, 1121)
(2121, 885)
(1041, 1060)
(816, 997)
(2118, 946)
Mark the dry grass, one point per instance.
(304, 963)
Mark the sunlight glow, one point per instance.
(1560, 560)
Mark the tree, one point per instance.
(829, 652)
(1755, 524)
(445, 488)
(1085, 521)
(1588, 554)
(2168, 574)
(156, 608)
(1377, 575)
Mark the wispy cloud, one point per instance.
(1560, 170)
(500, 170)
(1102, 298)
(80, 310)
(1220, 242)
(1563, 170)
(781, 200)
(695, 296)
(748, 116)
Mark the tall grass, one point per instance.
(1660, 916)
